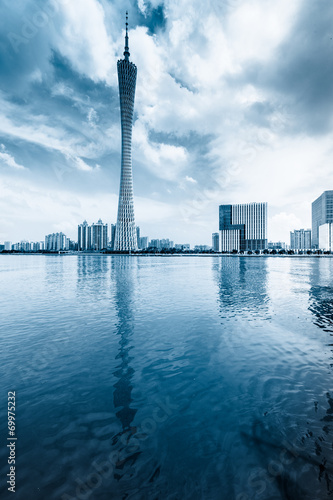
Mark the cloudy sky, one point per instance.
(234, 104)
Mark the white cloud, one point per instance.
(191, 180)
(43, 211)
(81, 165)
(83, 39)
(87, 141)
(256, 27)
(36, 132)
(92, 117)
(142, 6)
(280, 226)
(9, 160)
(163, 160)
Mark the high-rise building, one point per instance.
(84, 236)
(99, 236)
(37, 246)
(94, 237)
(216, 242)
(202, 248)
(155, 244)
(322, 213)
(126, 238)
(276, 245)
(143, 242)
(184, 247)
(55, 242)
(243, 227)
(326, 237)
(300, 239)
(113, 236)
(165, 243)
(8, 245)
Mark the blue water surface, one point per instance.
(168, 377)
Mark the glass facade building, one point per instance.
(243, 227)
(322, 213)
(113, 236)
(216, 242)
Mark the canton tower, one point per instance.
(126, 238)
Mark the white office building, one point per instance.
(243, 227)
(300, 239)
(326, 237)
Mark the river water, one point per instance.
(168, 377)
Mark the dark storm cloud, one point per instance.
(299, 77)
(155, 19)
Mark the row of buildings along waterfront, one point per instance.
(52, 243)
(243, 227)
(91, 238)
(95, 237)
(58, 241)
(320, 237)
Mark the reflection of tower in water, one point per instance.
(122, 277)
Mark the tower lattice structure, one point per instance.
(126, 238)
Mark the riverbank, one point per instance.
(253, 256)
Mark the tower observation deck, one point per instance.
(126, 238)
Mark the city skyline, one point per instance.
(233, 105)
(242, 227)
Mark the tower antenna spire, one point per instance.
(126, 53)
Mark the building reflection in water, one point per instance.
(111, 281)
(321, 306)
(92, 272)
(124, 443)
(122, 271)
(242, 286)
(108, 278)
(321, 293)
